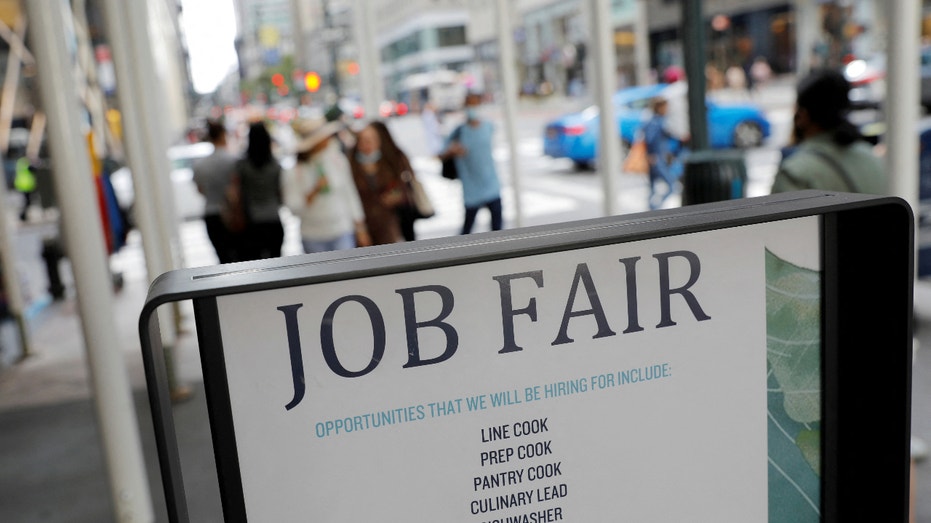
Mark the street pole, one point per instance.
(806, 27)
(331, 48)
(693, 45)
(14, 63)
(83, 232)
(902, 108)
(609, 147)
(152, 103)
(642, 42)
(509, 97)
(142, 152)
(369, 62)
(297, 25)
(11, 286)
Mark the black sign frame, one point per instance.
(867, 323)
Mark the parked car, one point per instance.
(867, 77)
(575, 135)
(189, 203)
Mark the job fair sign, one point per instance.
(581, 385)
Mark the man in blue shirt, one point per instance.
(470, 144)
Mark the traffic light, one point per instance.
(312, 81)
(278, 80)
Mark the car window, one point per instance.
(641, 103)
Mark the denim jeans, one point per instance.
(346, 241)
(497, 220)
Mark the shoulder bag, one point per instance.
(449, 164)
(417, 195)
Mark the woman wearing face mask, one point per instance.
(378, 177)
(322, 192)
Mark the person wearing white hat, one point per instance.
(321, 192)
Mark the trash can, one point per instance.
(713, 176)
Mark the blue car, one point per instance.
(575, 135)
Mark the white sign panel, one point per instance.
(585, 385)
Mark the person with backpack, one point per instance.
(470, 145)
(829, 152)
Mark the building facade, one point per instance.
(421, 37)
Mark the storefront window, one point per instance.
(451, 36)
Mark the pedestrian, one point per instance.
(677, 98)
(381, 188)
(259, 176)
(212, 176)
(760, 72)
(396, 161)
(829, 153)
(661, 146)
(25, 183)
(322, 192)
(471, 144)
(432, 128)
(737, 80)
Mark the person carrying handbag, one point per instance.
(385, 180)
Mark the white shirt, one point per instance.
(677, 112)
(334, 211)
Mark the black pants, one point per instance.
(262, 240)
(494, 207)
(406, 217)
(221, 239)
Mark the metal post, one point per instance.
(509, 97)
(806, 27)
(693, 45)
(297, 25)
(903, 108)
(11, 286)
(139, 148)
(151, 103)
(332, 48)
(642, 44)
(14, 63)
(83, 230)
(372, 89)
(609, 146)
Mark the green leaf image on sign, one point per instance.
(793, 364)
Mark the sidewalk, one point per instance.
(52, 466)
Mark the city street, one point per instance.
(51, 464)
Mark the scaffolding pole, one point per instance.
(83, 232)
